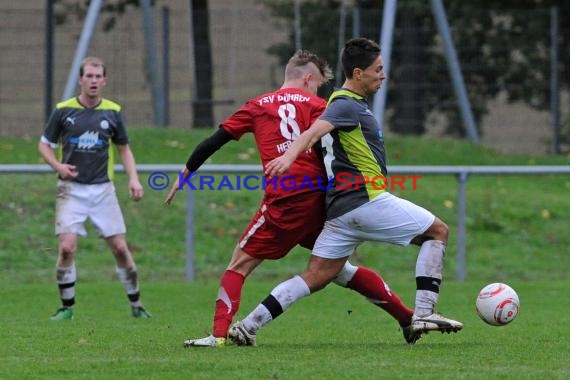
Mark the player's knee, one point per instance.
(67, 251)
(440, 230)
(120, 249)
(317, 280)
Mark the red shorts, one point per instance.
(276, 229)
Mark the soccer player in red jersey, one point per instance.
(288, 215)
(354, 145)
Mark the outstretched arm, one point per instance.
(200, 154)
(307, 139)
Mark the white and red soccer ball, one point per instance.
(497, 304)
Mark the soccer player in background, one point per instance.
(287, 216)
(85, 126)
(361, 212)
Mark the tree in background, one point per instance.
(503, 48)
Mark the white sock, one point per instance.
(129, 278)
(66, 278)
(345, 275)
(279, 300)
(429, 268)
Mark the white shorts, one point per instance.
(386, 218)
(77, 202)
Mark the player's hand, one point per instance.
(67, 171)
(278, 166)
(136, 190)
(172, 192)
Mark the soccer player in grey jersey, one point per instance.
(361, 211)
(84, 127)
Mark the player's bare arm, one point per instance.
(136, 191)
(65, 171)
(307, 139)
(175, 186)
(200, 154)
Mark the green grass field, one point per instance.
(517, 233)
(317, 338)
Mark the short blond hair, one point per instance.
(92, 61)
(304, 57)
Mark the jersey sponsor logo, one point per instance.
(87, 140)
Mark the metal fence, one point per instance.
(462, 174)
(241, 35)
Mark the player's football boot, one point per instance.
(62, 314)
(140, 312)
(435, 322)
(410, 335)
(209, 341)
(240, 336)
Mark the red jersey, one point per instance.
(276, 119)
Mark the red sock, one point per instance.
(227, 303)
(371, 285)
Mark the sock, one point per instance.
(66, 278)
(227, 303)
(130, 280)
(280, 298)
(371, 285)
(429, 268)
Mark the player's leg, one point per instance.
(262, 239)
(127, 274)
(70, 215)
(429, 268)
(372, 286)
(106, 215)
(66, 275)
(228, 299)
(397, 221)
(319, 273)
(231, 284)
(368, 283)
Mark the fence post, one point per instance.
(150, 44)
(461, 225)
(190, 256)
(554, 82)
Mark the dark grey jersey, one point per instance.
(84, 136)
(353, 153)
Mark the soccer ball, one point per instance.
(497, 304)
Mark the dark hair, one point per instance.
(358, 53)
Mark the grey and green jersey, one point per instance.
(352, 152)
(84, 136)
